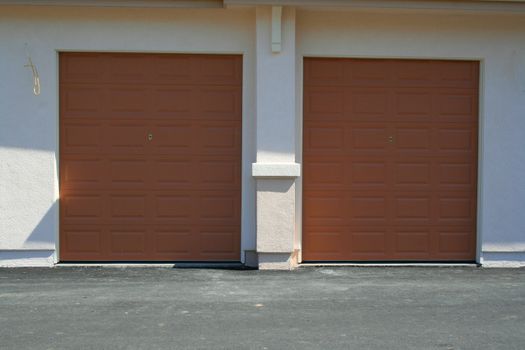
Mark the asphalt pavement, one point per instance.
(310, 308)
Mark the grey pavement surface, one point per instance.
(311, 308)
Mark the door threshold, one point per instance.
(173, 265)
(113, 265)
(404, 264)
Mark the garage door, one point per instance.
(390, 160)
(150, 157)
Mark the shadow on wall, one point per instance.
(44, 235)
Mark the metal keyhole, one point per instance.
(390, 139)
(150, 136)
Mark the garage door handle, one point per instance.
(150, 136)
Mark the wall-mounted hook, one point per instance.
(36, 77)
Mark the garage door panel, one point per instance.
(129, 196)
(456, 106)
(177, 69)
(398, 166)
(325, 101)
(197, 138)
(82, 138)
(81, 172)
(385, 72)
(457, 74)
(369, 104)
(172, 173)
(461, 138)
(128, 206)
(83, 207)
(365, 174)
(325, 207)
(449, 74)
(173, 70)
(414, 73)
(122, 68)
(218, 241)
(218, 69)
(413, 242)
(412, 209)
(455, 242)
(325, 139)
(214, 207)
(218, 103)
(171, 138)
(325, 243)
(81, 102)
(169, 101)
(217, 207)
(411, 138)
(83, 241)
(174, 206)
(325, 173)
(219, 138)
(86, 241)
(454, 209)
(368, 243)
(127, 102)
(127, 172)
(367, 208)
(415, 172)
(125, 138)
(368, 138)
(170, 241)
(323, 72)
(413, 104)
(367, 73)
(128, 241)
(456, 175)
(219, 172)
(83, 67)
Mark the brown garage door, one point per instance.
(390, 160)
(150, 157)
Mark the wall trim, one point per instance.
(27, 258)
(276, 170)
(503, 259)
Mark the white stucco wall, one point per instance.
(275, 169)
(498, 42)
(29, 124)
(275, 86)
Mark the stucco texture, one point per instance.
(29, 124)
(497, 42)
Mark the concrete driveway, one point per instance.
(312, 308)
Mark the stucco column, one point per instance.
(275, 169)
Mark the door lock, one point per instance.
(390, 139)
(150, 136)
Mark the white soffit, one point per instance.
(512, 6)
(120, 3)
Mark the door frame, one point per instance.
(247, 210)
(299, 64)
